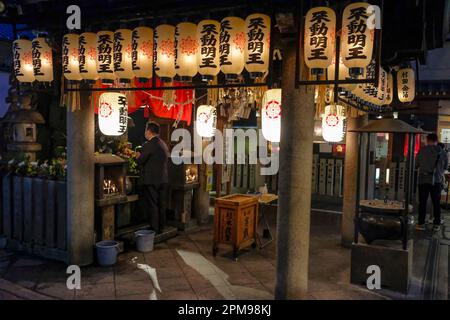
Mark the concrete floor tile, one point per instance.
(263, 265)
(131, 275)
(8, 296)
(57, 290)
(241, 278)
(215, 293)
(188, 294)
(170, 284)
(251, 292)
(169, 272)
(264, 275)
(161, 254)
(156, 262)
(103, 291)
(97, 275)
(27, 277)
(134, 297)
(198, 282)
(143, 287)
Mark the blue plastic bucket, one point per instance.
(107, 252)
(144, 240)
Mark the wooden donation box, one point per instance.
(235, 222)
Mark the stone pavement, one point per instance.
(186, 269)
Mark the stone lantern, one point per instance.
(20, 123)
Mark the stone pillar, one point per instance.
(201, 197)
(350, 179)
(294, 189)
(80, 182)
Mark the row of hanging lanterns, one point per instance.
(184, 50)
(33, 60)
(356, 41)
(383, 93)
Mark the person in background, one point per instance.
(153, 159)
(431, 161)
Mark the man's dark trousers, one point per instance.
(155, 196)
(433, 190)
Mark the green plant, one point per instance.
(124, 151)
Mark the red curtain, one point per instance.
(153, 100)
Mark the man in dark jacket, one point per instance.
(431, 161)
(154, 159)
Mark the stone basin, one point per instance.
(383, 206)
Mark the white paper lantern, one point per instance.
(320, 37)
(232, 46)
(406, 85)
(333, 123)
(42, 60)
(23, 60)
(389, 89)
(88, 56)
(122, 55)
(70, 57)
(113, 113)
(186, 50)
(142, 52)
(208, 33)
(357, 38)
(258, 44)
(165, 52)
(105, 56)
(206, 121)
(271, 115)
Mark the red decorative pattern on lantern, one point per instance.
(204, 117)
(332, 120)
(189, 46)
(47, 57)
(128, 51)
(239, 41)
(74, 54)
(105, 110)
(28, 58)
(92, 54)
(167, 47)
(273, 109)
(147, 48)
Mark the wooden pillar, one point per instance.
(350, 179)
(80, 182)
(296, 157)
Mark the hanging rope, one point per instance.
(193, 100)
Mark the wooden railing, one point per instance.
(33, 215)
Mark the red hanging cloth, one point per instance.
(153, 99)
(184, 100)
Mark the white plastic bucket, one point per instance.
(107, 252)
(144, 240)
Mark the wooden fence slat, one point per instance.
(50, 215)
(7, 205)
(61, 218)
(18, 208)
(1, 204)
(27, 209)
(39, 210)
